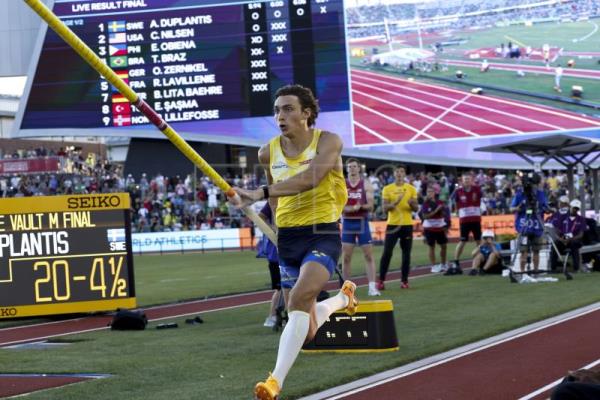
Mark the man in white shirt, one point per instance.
(558, 71)
(485, 66)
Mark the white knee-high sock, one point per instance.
(290, 343)
(327, 307)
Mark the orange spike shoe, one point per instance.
(348, 288)
(267, 390)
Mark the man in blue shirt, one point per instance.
(486, 256)
(529, 205)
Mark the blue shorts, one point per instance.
(298, 245)
(356, 230)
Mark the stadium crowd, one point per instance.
(368, 20)
(174, 203)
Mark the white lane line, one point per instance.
(512, 116)
(496, 99)
(581, 39)
(372, 132)
(442, 115)
(449, 125)
(385, 116)
(556, 382)
(372, 381)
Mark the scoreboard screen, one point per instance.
(209, 68)
(65, 254)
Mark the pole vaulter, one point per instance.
(95, 62)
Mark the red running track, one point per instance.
(510, 370)
(16, 385)
(390, 109)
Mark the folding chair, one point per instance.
(564, 258)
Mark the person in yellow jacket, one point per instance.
(307, 193)
(399, 201)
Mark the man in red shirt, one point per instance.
(355, 223)
(435, 226)
(468, 207)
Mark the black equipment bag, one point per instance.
(125, 320)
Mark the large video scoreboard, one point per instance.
(208, 68)
(65, 254)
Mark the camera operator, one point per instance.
(529, 205)
(570, 228)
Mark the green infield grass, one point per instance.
(225, 356)
(172, 278)
(560, 35)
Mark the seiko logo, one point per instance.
(94, 202)
(279, 165)
(8, 312)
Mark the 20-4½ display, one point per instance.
(65, 254)
(208, 68)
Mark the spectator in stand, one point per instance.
(212, 193)
(468, 206)
(204, 225)
(436, 218)
(552, 182)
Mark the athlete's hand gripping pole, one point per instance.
(95, 62)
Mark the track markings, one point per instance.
(442, 115)
(556, 382)
(513, 115)
(364, 384)
(403, 82)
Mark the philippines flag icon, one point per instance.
(117, 49)
(116, 26)
(115, 235)
(119, 37)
